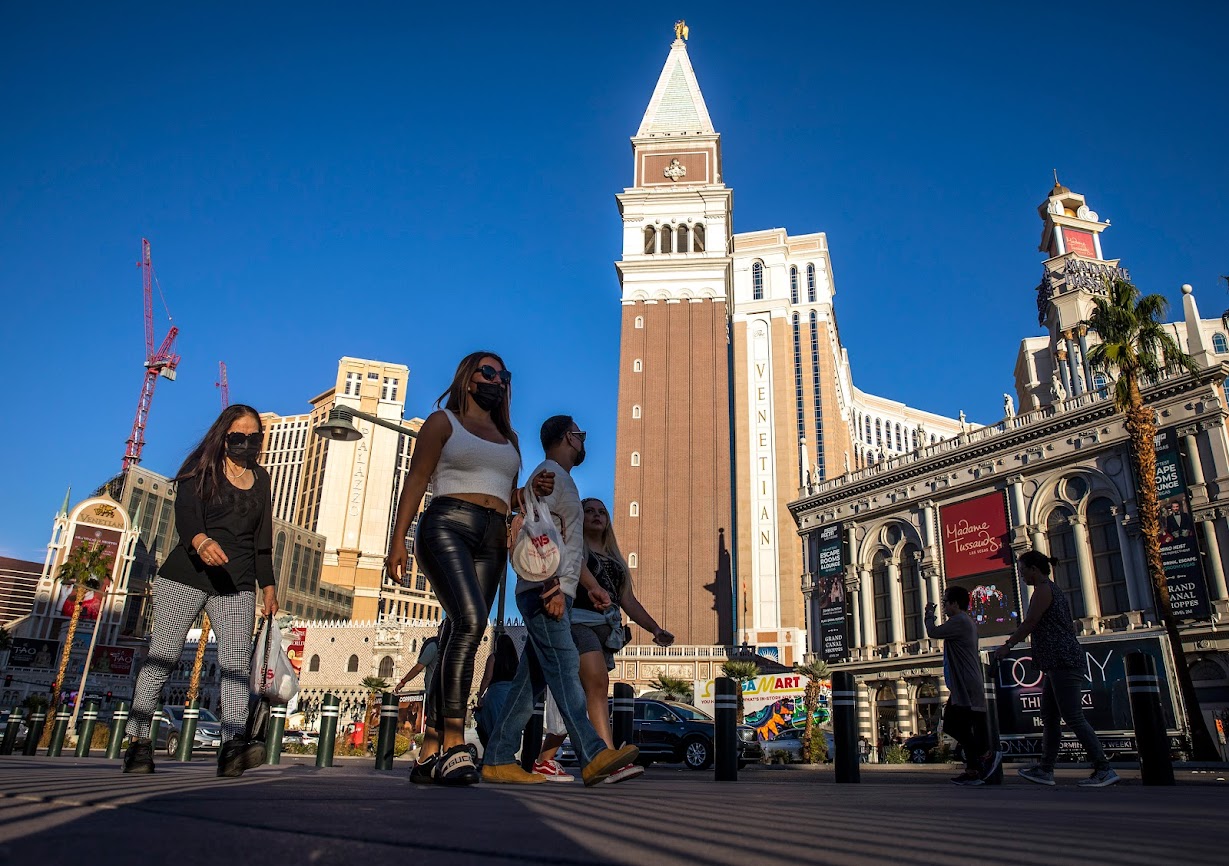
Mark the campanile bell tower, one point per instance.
(672, 508)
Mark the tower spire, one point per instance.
(677, 106)
(67, 498)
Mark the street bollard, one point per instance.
(273, 736)
(845, 728)
(34, 733)
(10, 733)
(89, 717)
(155, 723)
(330, 709)
(531, 742)
(187, 730)
(58, 731)
(1151, 741)
(386, 741)
(725, 730)
(119, 721)
(624, 727)
(992, 725)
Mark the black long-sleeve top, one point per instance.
(241, 521)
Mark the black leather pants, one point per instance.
(462, 548)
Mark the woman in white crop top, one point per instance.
(470, 455)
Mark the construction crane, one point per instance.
(221, 384)
(161, 362)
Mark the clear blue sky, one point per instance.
(404, 182)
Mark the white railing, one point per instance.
(701, 651)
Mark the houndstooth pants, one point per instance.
(175, 608)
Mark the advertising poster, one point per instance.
(1080, 242)
(771, 703)
(28, 653)
(294, 648)
(1180, 557)
(830, 588)
(976, 556)
(115, 660)
(91, 604)
(1107, 706)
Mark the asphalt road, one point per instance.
(68, 810)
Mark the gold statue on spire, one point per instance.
(681, 30)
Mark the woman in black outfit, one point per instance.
(469, 454)
(224, 517)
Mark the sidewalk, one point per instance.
(294, 813)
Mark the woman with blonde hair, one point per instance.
(470, 455)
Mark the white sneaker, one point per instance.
(631, 771)
(553, 771)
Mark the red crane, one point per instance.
(157, 363)
(221, 384)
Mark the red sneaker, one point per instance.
(631, 771)
(552, 771)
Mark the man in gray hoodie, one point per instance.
(964, 719)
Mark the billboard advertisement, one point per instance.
(830, 591)
(294, 648)
(1180, 557)
(771, 703)
(91, 604)
(1080, 242)
(1018, 688)
(974, 536)
(992, 601)
(115, 660)
(29, 653)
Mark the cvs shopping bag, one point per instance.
(536, 542)
(273, 678)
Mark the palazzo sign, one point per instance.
(977, 557)
(1180, 556)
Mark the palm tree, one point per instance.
(1135, 345)
(675, 688)
(194, 684)
(6, 638)
(85, 567)
(815, 672)
(741, 671)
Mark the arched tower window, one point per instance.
(633, 510)
(899, 444)
(878, 433)
(757, 281)
(635, 458)
(801, 411)
(650, 240)
(793, 285)
(386, 667)
(816, 388)
(637, 366)
(636, 412)
(681, 246)
(639, 322)
(1219, 344)
(352, 665)
(810, 284)
(697, 238)
(632, 560)
(869, 441)
(666, 237)
(314, 664)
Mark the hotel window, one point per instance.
(816, 385)
(390, 389)
(801, 412)
(352, 665)
(878, 433)
(681, 246)
(632, 560)
(353, 382)
(1062, 548)
(697, 238)
(666, 237)
(633, 510)
(1107, 558)
(869, 441)
(757, 281)
(386, 667)
(793, 285)
(635, 458)
(650, 241)
(1219, 344)
(911, 593)
(635, 412)
(637, 366)
(899, 445)
(639, 322)
(882, 599)
(810, 284)
(314, 664)
(1099, 383)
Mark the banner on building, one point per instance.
(29, 653)
(91, 603)
(830, 590)
(116, 660)
(977, 556)
(1180, 556)
(1107, 706)
(294, 648)
(772, 703)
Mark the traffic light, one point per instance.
(8, 680)
(108, 697)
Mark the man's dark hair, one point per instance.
(554, 429)
(958, 596)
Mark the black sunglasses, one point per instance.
(579, 434)
(491, 374)
(236, 439)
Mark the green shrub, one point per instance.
(776, 756)
(817, 753)
(896, 755)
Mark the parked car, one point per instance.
(919, 746)
(300, 738)
(673, 732)
(208, 731)
(790, 742)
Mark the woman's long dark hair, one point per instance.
(506, 659)
(1038, 560)
(457, 395)
(204, 463)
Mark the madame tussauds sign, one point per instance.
(974, 536)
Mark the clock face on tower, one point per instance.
(1080, 242)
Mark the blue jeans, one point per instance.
(551, 645)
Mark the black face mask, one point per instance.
(243, 454)
(488, 395)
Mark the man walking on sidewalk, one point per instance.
(964, 718)
(546, 607)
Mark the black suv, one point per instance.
(673, 732)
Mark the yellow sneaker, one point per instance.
(510, 774)
(607, 762)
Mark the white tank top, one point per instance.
(471, 464)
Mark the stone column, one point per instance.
(1083, 561)
(897, 606)
(866, 697)
(866, 603)
(1064, 372)
(855, 612)
(1077, 378)
(1194, 465)
(1082, 331)
(904, 711)
(1216, 568)
(1128, 561)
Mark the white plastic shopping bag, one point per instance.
(536, 542)
(273, 678)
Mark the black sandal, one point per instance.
(455, 768)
